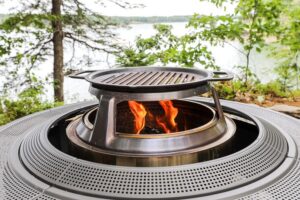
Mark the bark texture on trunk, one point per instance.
(58, 52)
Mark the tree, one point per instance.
(287, 48)
(29, 101)
(164, 47)
(250, 24)
(41, 29)
(286, 74)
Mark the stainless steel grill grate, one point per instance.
(148, 78)
(151, 79)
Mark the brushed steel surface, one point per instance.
(104, 136)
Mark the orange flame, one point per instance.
(166, 122)
(169, 119)
(163, 125)
(139, 112)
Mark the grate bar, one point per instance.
(181, 79)
(132, 78)
(158, 79)
(175, 78)
(190, 77)
(128, 78)
(141, 81)
(185, 78)
(143, 75)
(162, 82)
(118, 76)
(120, 79)
(107, 78)
(150, 78)
(124, 78)
(154, 79)
(170, 80)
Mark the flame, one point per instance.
(166, 122)
(139, 112)
(163, 125)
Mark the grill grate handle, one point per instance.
(221, 76)
(82, 74)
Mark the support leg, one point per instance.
(217, 104)
(104, 125)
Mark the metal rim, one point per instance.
(209, 144)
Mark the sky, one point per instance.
(151, 7)
(164, 8)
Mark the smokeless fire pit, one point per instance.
(162, 131)
(150, 137)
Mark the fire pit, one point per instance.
(159, 132)
(149, 137)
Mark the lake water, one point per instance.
(226, 57)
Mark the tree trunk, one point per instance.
(58, 52)
(247, 67)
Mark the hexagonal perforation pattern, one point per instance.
(197, 179)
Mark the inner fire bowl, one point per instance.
(200, 129)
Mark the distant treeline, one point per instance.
(139, 19)
(153, 19)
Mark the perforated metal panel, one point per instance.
(286, 187)
(12, 187)
(197, 179)
(44, 197)
(41, 160)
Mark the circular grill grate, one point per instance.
(197, 179)
(151, 79)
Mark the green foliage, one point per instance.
(26, 36)
(273, 88)
(217, 29)
(229, 90)
(164, 47)
(286, 76)
(287, 48)
(250, 24)
(237, 90)
(28, 101)
(131, 57)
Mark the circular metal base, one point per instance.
(144, 159)
(261, 171)
(169, 147)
